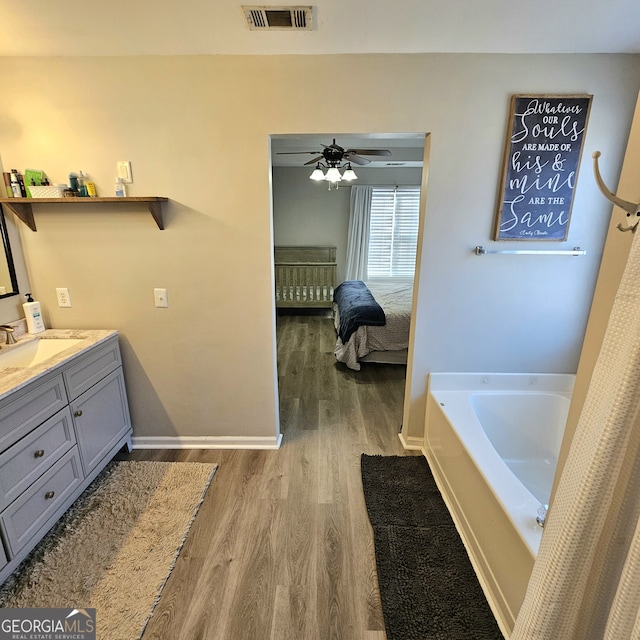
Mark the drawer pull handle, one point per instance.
(49, 495)
(78, 413)
(39, 453)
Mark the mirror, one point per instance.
(8, 279)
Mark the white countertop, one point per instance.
(13, 378)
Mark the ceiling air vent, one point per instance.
(278, 18)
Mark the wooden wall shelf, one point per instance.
(22, 207)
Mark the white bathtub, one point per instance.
(492, 441)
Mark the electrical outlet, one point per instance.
(160, 296)
(123, 169)
(64, 299)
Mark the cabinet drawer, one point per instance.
(43, 503)
(29, 458)
(91, 367)
(25, 410)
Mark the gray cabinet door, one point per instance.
(101, 418)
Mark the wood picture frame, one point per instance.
(543, 149)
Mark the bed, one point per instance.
(382, 343)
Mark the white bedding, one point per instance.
(395, 299)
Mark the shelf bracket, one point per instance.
(155, 209)
(23, 211)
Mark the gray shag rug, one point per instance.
(428, 587)
(116, 546)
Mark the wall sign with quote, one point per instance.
(541, 160)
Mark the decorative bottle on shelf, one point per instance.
(15, 185)
(23, 188)
(121, 191)
(7, 184)
(82, 185)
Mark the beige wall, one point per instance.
(196, 129)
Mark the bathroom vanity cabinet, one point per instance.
(56, 434)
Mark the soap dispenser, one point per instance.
(33, 315)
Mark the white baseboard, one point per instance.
(207, 442)
(410, 443)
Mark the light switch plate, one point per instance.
(160, 297)
(124, 171)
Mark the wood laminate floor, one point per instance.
(282, 547)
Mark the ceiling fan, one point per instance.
(334, 154)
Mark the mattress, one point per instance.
(395, 298)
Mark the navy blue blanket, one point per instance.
(357, 307)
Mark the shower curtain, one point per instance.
(585, 583)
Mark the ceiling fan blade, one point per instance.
(370, 152)
(352, 157)
(318, 159)
(288, 153)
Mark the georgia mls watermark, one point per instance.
(47, 624)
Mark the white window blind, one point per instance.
(393, 232)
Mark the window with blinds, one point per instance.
(393, 232)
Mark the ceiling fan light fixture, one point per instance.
(349, 174)
(333, 175)
(317, 174)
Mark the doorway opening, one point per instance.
(316, 216)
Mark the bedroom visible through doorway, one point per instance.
(363, 231)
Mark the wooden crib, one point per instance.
(305, 276)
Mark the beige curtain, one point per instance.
(585, 583)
